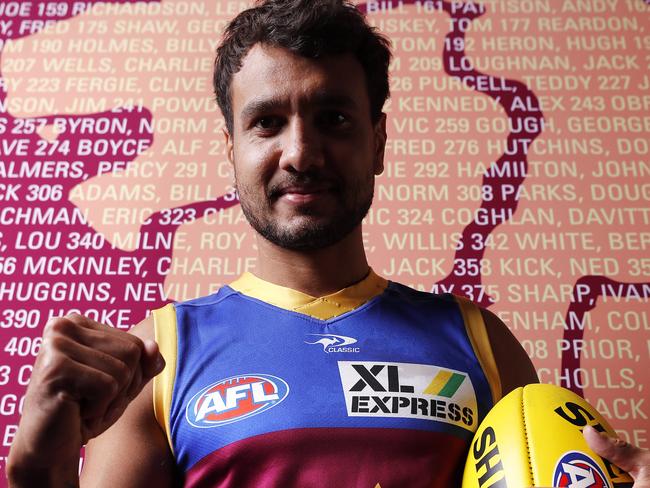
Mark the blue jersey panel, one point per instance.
(246, 368)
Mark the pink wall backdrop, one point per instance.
(517, 174)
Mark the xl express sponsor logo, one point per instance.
(378, 389)
(234, 399)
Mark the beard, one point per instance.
(312, 231)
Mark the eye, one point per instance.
(268, 123)
(333, 119)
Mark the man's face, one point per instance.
(304, 148)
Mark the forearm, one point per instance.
(25, 476)
(48, 458)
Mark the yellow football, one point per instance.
(533, 437)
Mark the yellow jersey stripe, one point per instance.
(477, 333)
(163, 384)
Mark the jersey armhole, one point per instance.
(163, 384)
(478, 337)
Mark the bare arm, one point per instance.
(516, 369)
(514, 365)
(134, 451)
(85, 376)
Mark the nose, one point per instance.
(302, 147)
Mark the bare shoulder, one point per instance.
(514, 365)
(134, 451)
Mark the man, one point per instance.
(312, 372)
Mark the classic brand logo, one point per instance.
(374, 389)
(334, 343)
(234, 399)
(577, 470)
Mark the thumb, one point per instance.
(629, 458)
(151, 360)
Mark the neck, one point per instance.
(316, 273)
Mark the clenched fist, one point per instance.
(84, 377)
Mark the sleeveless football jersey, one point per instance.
(377, 385)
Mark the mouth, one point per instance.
(300, 194)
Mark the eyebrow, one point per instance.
(322, 99)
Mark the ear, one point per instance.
(380, 143)
(229, 146)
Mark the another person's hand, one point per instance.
(84, 377)
(629, 458)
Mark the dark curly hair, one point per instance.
(309, 28)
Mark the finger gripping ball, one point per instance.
(533, 437)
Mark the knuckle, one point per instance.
(58, 326)
(54, 344)
(74, 316)
(132, 352)
(111, 384)
(48, 361)
(123, 375)
(621, 443)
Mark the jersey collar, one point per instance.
(323, 308)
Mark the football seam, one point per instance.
(523, 417)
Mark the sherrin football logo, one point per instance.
(577, 470)
(234, 399)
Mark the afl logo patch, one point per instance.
(577, 470)
(234, 399)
